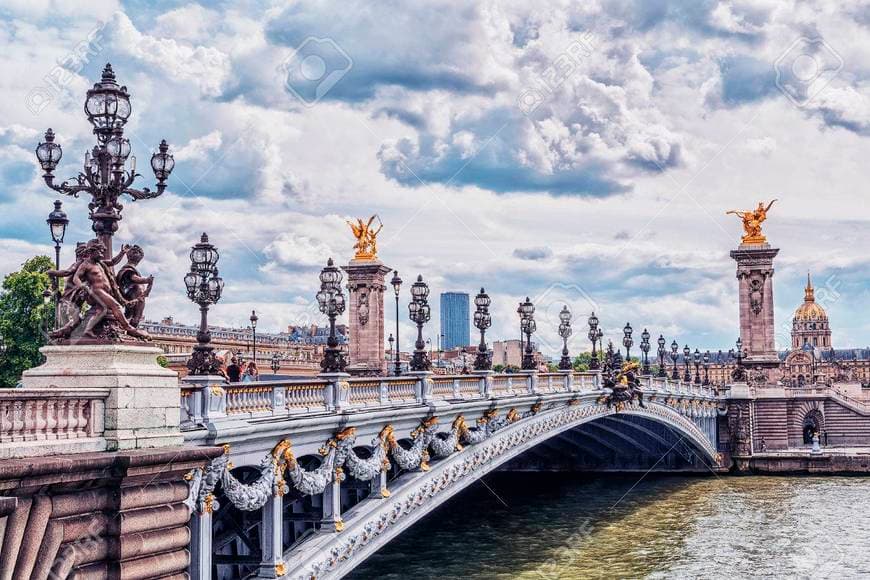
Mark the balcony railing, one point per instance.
(203, 403)
(43, 414)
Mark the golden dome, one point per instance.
(809, 310)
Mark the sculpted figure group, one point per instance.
(115, 302)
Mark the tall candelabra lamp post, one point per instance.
(105, 176)
(204, 288)
(706, 361)
(419, 313)
(254, 318)
(697, 359)
(662, 372)
(593, 338)
(627, 341)
(644, 347)
(330, 300)
(57, 222)
(482, 321)
(528, 326)
(675, 374)
(687, 357)
(396, 282)
(565, 332)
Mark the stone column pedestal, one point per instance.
(365, 285)
(142, 409)
(485, 382)
(755, 279)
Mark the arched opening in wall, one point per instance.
(235, 534)
(801, 380)
(812, 425)
(302, 513)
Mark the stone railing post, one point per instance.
(279, 401)
(567, 380)
(336, 392)
(531, 381)
(209, 397)
(485, 378)
(384, 392)
(423, 388)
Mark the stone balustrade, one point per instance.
(42, 415)
(204, 402)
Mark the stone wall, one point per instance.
(98, 515)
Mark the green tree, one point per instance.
(498, 368)
(582, 361)
(24, 318)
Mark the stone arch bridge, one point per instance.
(319, 474)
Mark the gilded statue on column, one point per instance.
(752, 220)
(366, 245)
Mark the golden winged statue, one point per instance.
(752, 220)
(366, 245)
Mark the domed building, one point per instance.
(810, 326)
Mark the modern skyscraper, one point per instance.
(455, 321)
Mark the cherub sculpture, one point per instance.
(134, 288)
(624, 386)
(90, 281)
(752, 220)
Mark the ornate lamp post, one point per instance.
(391, 340)
(276, 363)
(661, 342)
(528, 325)
(738, 374)
(464, 353)
(254, 318)
(706, 361)
(330, 300)
(593, 337)
(397, 285)
(204, 287)
(644, 347)
(482, 321)
(419, 313)
(627, 341)
(687, 354)
(565, 332)
(675, 375)
(57, 222)
(697, 360)
(105, 176)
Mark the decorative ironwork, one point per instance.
(687, 355)
(420, 313)
(739, 373)
(662, 373)
(204, 287)
(527, 324)
(706, 362)
(644, 347)
(57, 222)
(115, 304)
(697, 360)
(330, 299)
(627, 341)
(565, 332)
(105, 176)
(593, 338)
(482, 321)
(675, 375)
(396, 283)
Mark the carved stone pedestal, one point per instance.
(142, 409)
(365, 284)
(757, 327)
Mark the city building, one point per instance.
(299, 350)
(455, 320)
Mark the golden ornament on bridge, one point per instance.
(366, 245)
(752, 220)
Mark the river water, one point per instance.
(546, 526)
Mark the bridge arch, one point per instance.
(371, 525)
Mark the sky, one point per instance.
(575, 153)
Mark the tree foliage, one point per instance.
(25, 318)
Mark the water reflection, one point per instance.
(565, 526)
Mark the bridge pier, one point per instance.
(200, 544)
